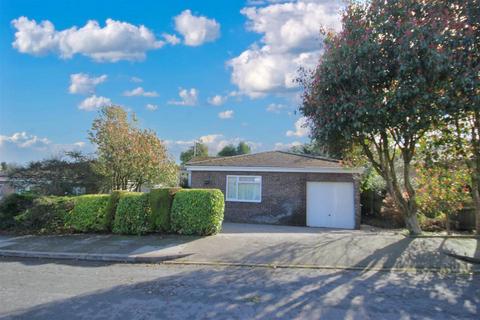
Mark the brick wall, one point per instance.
(283, 195)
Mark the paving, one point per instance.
(61, 289)
(261, 245)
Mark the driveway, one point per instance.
(246, 244)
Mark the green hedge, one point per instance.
(161, 204)
(11, 206)
(133, 214)
(46, 215)
(111, 208)
(197, 211)
(89, 213)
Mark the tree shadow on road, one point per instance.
(261, 293)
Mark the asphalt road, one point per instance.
(46, 289)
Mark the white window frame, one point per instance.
(236, 183)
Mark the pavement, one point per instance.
(261, 246)
(64, 289)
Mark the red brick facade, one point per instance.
(283, 195)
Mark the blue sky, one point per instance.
(216, 71)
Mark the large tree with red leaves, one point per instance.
(380, 84)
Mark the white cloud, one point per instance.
(140, 92)
(93, 103)
(276, 107)
(171, 39)
(115, 41)
(151, 107)
(24, 140)
(291, 39)
(215, 142)
(81, 83)
(217, 100)
(301, 128)
(287, 146)
(24, 147)
(228, 114)
(196, 30)
(188, 97)
(136, 79)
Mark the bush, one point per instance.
(197, 211)
(161, 204)
(11, 206)
(111, 208)
(133, 214)
(46, 215)
(89, 213)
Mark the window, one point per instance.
(244, 188)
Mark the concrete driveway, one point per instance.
(264, 245)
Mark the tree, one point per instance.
(58, 176)
(129, 156)
(231, 150)
(243, 148)
(378, 86)
(461, 42)
(197, 150)
(228, 151)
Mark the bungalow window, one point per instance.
(244, 188)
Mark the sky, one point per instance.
(218, 72)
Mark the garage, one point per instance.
(331, 205)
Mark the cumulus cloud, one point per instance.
(217, 100)
(24, 140)
(188, 97)
(115, 41)
(301, 128)
(291, 39)
(23, 147)
(82, 83)
(276, 107)
(136, 79)
(196, 30)
(286, 146)
(140, 92)
(93, 103)
(215, 142)
(227, 114)
(151, 107)
(171, 39)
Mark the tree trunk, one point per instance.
(476, 203)
(412, 224)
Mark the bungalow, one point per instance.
(278, 187)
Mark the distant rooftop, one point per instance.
(281, 159)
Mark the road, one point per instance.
(47, 289)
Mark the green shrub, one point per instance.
(111, 208)
(11, 206)
(197, 211)
(133, 214)
(88, 214)
(46, 215)
(161, 204)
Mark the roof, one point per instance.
(270, 159)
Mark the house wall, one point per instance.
(283, 195)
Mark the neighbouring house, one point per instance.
(278, 187)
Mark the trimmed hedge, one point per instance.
(46, 215)
(161, 204)
(89, 213)
(197, 211)
(133, 214)
(11, 206)
(111, 208)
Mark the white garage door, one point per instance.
(330, 205)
